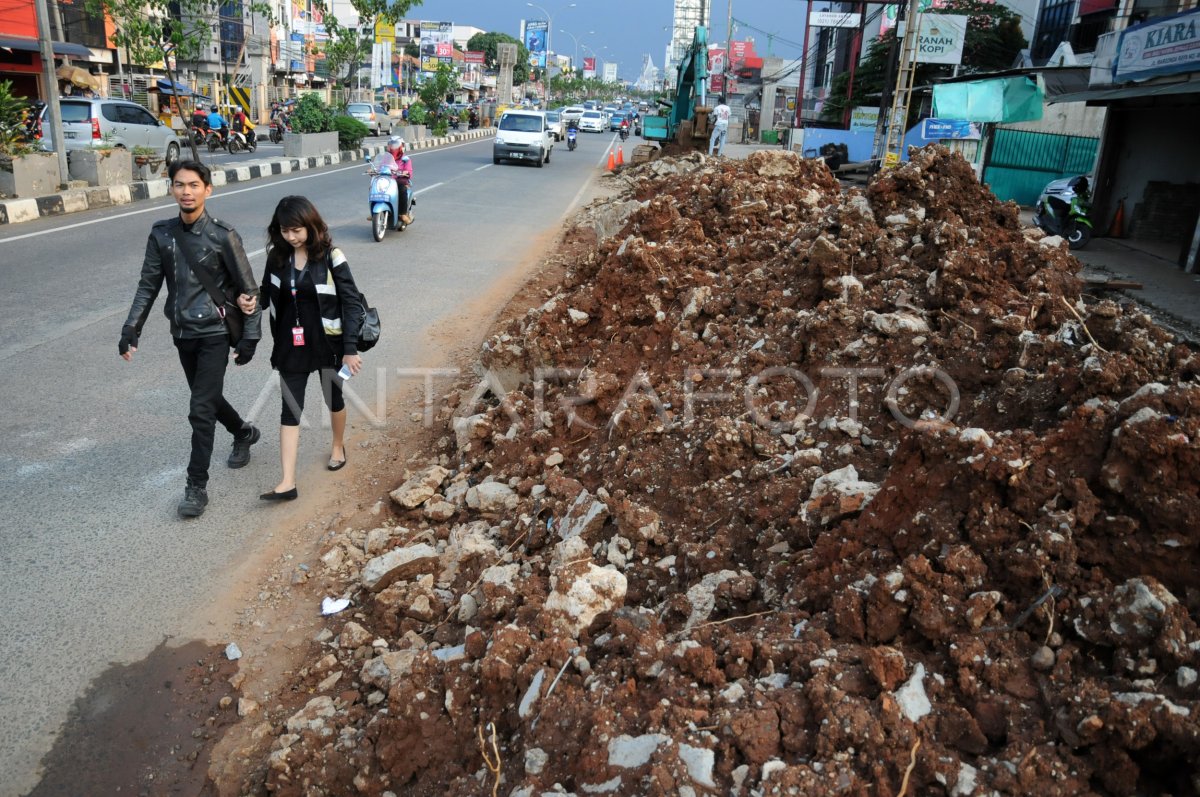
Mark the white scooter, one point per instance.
(386, 210)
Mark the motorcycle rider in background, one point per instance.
(218, 123)
(242, 125)
(402, 169)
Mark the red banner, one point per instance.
(475, 56)
(589, 64)
(716, 83)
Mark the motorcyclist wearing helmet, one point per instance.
(217, 122)
(403, 171)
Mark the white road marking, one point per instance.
(427, 188)
(159, 207)
(484, 166)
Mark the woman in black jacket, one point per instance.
(315, 315)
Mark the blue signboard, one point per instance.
(942, 129)
(1163, 46)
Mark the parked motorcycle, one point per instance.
(384, 198)
(1063, 209)
(572, 134)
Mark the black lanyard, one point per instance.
(292, 274)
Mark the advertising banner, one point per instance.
(834, 19)
(385, 32)
(474, 56)
(437, 45)
(864, 118)
(941, 38)
(589, 67)
(716, 83)
(535, 41)
(610, 72)
(942, 129)
(1164, 46)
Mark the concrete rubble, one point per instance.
(823, 481)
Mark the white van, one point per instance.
(523, 135)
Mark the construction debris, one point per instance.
(789, 490)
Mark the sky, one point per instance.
(626, 30)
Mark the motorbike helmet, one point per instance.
(213, 109)
(395, 145)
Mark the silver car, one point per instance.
(556, 125)
(98, 121)
(373, 115)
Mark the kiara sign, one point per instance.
(942, 37)
(1162, 46)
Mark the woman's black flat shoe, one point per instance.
(336, 464)
(286, 495)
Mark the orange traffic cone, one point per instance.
(620, 156)
(611, 163)
(1117, 228)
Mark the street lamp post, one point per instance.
(575, 39)
(549, 49)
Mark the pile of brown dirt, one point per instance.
(789, 490)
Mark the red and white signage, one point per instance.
(474, 56)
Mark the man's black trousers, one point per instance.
(204, 362)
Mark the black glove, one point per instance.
(129, 340)
(245, 351)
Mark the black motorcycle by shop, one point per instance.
(1063, 209)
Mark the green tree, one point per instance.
(438, 86)
(12, 128)
(487, 43)
(166, 30)
(993, 40)
(347, 48)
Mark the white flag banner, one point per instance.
(941, 38)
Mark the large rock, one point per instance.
(839, 493)
(400, 563)
(421, 487)
(491, 497)
(382, 671)
(584, 517)
(583, 593)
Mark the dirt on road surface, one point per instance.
(785, 490)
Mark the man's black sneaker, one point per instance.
(195, 499)
(240, 455)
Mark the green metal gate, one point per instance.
(1022, 162)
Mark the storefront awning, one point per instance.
(32, 45)
(1116, 94)
(165, 87)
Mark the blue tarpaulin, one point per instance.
(166, 87)
(1007, 99)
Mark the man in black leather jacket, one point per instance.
(197, 324)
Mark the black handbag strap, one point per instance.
(205, 277)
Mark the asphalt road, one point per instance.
(95, 566)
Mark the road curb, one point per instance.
(16, 211)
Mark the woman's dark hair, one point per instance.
(297, 211)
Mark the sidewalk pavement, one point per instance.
(14, 211)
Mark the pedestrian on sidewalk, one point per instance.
(316, 313)
(176, 248)
(720, 117)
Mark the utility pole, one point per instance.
(855, 50)
(889, 83)
(803, 68)
(51, 89)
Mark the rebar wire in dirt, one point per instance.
(1079, 318)
(912, 763)
(493, 766)
(1054, 592)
